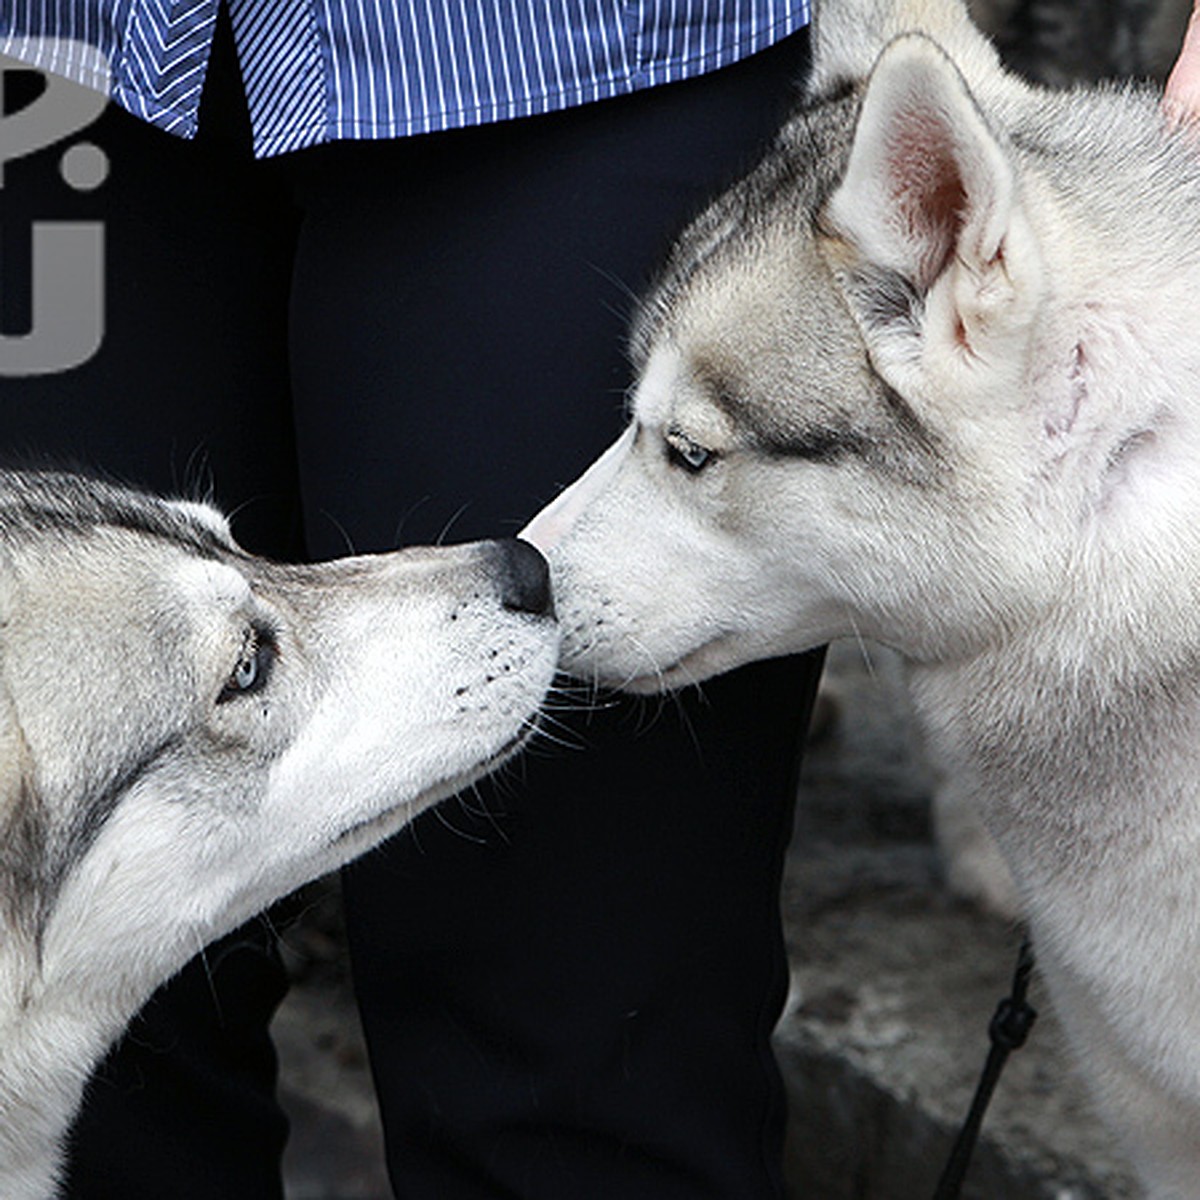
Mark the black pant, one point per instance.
(569, 981)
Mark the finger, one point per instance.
(1181, 98)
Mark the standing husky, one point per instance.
(931, 374)
(188, 732)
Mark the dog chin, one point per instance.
(713, 657)
(370, 829)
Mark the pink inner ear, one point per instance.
(926, 189)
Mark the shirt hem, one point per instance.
(536, 104)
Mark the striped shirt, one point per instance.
(319, 70)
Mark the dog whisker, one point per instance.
(863, 649)
(443, 820)
(627, 293)
(481, 810)
(454, 516)
(544, 735)
(398, 531)
(343, 533)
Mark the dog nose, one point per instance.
(524, 579)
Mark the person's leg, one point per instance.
(569, 978)
(187, 393)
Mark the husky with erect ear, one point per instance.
(931, 374)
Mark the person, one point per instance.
(402, 321)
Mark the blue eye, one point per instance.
(683, 452)
(246, 675)
(253, 667)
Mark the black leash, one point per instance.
(1009, 1028)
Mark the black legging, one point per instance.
(569, 981)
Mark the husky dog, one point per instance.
(930, 374)
(188, 732)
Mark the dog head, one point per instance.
(879, 391)
(189, 732)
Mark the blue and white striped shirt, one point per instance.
(319, 70)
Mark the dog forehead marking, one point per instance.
(653, 399)
(209, 582)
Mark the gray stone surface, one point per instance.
(335, 1151)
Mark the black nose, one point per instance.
(524, 579)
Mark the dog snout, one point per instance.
(524, 577)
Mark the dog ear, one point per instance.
(927, 180)
(931, 197)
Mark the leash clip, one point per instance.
(1008, 1029)
(1011, 1024)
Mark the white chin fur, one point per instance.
(712, 658)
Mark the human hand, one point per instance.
(1181, 98)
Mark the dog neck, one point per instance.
(44, 1069)
(51, 1039)
(1073, 717)
(1080, 748)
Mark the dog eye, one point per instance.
(247, 673)
(253, 667)
(683, 452)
